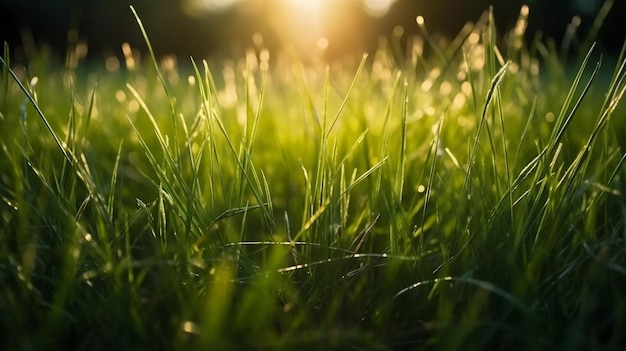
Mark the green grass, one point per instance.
(468, 199)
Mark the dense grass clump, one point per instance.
(472, 198)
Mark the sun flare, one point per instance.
(374, 8)
(310, 26)
(308, 6)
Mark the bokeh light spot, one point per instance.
(112, 64)
(322, 43)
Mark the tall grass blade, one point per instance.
(68, 156)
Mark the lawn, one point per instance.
(464, 194)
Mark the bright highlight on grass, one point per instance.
(471, 198)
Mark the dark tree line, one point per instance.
(106, 24)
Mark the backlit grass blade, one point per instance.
(347, 95)
(68, 156)
(564, 118)
(159, 75)
(5, 71)
(495, 83)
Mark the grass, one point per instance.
(468, 199)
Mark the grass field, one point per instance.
(469, 198)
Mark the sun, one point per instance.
(302, 21)
(374, 8)
(377, 8)
(309, 26)
(307, 6)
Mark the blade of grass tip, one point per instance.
(210, 107)
(618, 77)
(348, 94)
(459, 40)
(5, 71)
(581, 159)
(422, 26)
(365, 175)
(25, 143)
(505, 150)
(399, 181)
(563, 119)
(70, 140)
(495, 83)
(213, 116)
(525, 172)
(92, 103)
(114, 175)
(531, 114)
(493, 57)
(516, 45)
(240, 164)
(250, 132)
(193, 182)
(188, 143)
(300, 73)
(348, 154)
(490, 42)
(257, 114)
(451, 51)
(160, 76)
(321, 166)
(570, 35)
(592, 33)
(244, 138)
(605, 116)
(432, 174)
(204, 89)
(70, 137)
(67, 153)
(472, 82)
(209, 80)
(163, 142)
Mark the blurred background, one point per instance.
(211, 28)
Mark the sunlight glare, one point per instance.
(374, 8)
(302, 22)
(377, 8)
(306, 6)
(311, 26)
(199, 7)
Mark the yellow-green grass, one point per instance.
(472, 198)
